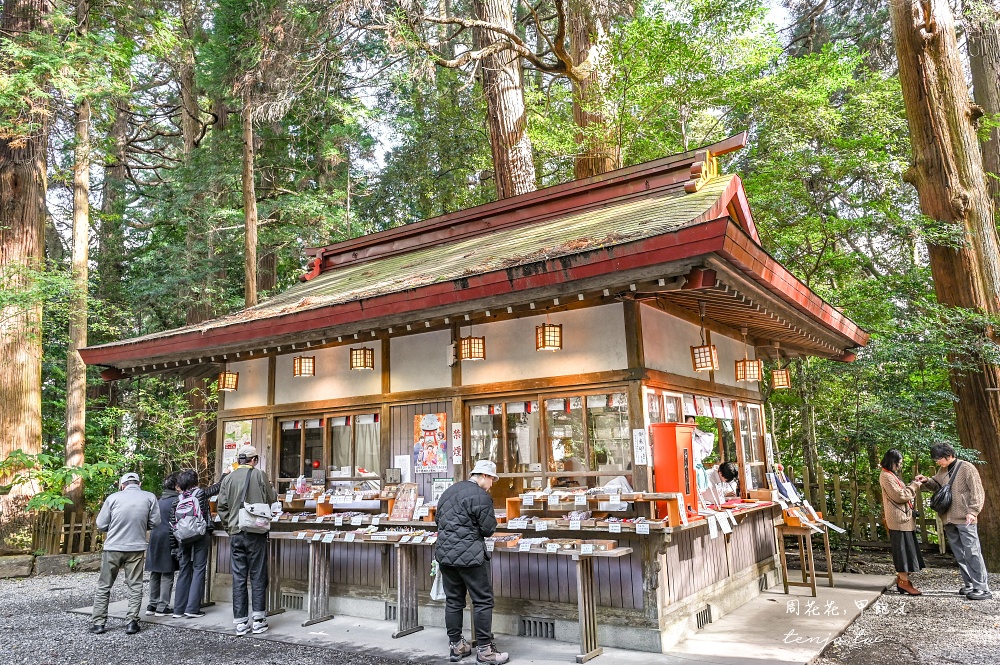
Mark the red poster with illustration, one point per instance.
(430, 443)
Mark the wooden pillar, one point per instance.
(456, 368)
(385, 413)
(642, 475)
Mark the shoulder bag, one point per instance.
(941, 501)
(253, 517)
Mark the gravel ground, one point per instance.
(36, 629)
(937, 627)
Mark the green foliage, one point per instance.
(51, 477)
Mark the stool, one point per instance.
(804, 534)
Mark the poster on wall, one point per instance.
(456, 443)
(689, 408)
(235, 434)
(430, 443)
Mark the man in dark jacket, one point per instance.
(160, 562)
(465, 519)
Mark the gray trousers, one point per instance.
(964, 542)
(160, 586)
(111, 564)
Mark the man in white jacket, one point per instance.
(127, 516)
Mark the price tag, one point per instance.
(724, 523)
(553, 501)
(490, 545)
(356, 520)
(642, 528)
(551, 548)
(317, 536)
(527, 500)
(713, 529)
(418, 539)
(376, 521)
(349, 537)
(357, 498)
(523, 547)
(328, 538)
(431, 540)
(338, 521)
(574, 525)
(615, 499)
(580, 500)
(420, 502)
(321, 498)
(378, 537)
(614, 527)
(320, 518)
(422, 511)
(683, 511)
(586, 548)
(300, 536)
(296, 518)
(541, 526)
(517, 524)
(289, 496)
(404, 539)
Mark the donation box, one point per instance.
(673, 463)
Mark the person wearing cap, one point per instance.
(247, 551)
(127, 516)
(465, 519)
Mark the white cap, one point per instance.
(129, 478)
(486, 468)
(246, 452)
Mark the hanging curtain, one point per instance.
(367, 442)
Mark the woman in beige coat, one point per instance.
(897, 504)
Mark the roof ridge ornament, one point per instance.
(704, 169)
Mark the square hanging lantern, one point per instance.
(228, 381)
(362, 357)
(304, 366)
(749, 370)
(548, 337)
(781, 379)
(704, 358)
(472, 348)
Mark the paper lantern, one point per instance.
(228, 381)
(304, 366)
(548, 337)
(704, 358)
(749, 370)
(472, 348)
(781, 379)
(362, 357)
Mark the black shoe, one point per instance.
(194, 615)
(150, 609)
(98, 629)
(132, 628)
(966, 590)
(167, 612)
(978, 594)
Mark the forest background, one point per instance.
(186, 152)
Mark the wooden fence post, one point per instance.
(821, 483)
(838, 504)
(806, 494)
(872, 511)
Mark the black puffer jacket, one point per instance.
(464, 518)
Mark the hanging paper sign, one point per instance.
(527, 500)
(349, 537)
(320, 518)
(642, 528)
(524, 547)
(732, 518)
(574, 525)
(580, 500)
(713, 528)
(417, 540)
(587, 548)
(338, 521)
(553, 500)
(683, 511)
(551, 548)
(404, 540)
(541, 526)
(615, 527)
(328, 538)
(356, 520)
(317, 537)
(456, 443)
(723, 523)
(615, 499)
(300, 536)
(430, 443)
(640, 448)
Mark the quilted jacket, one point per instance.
(464, 519)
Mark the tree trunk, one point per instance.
(249, 210)
(22, 232)
(983, 32)
(76, 370)
(948, 174)
(506, 119)
(597, 150)
(111, 229)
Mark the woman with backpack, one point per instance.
(190, 524)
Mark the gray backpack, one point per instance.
(189, 523)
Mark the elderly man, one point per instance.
(127, 516)
(961, 521)
(465, 519)
(247, 551)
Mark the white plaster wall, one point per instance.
(334, 378)
(667, 342)
(252, 388)
(593, 341)
(419, 362)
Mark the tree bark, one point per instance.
(249, 210)
(506, 119)
(597, 150)
(948, 174)
(76, 370)
(22, 232)
(983, 32)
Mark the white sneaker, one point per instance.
(242, 628)
(260, 626)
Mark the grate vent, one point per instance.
(293, 601)
(534, 627)
(704, 617)
(391, 612)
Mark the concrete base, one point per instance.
(16, 566)
(773, 627)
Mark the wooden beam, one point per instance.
(456, 368)
(386, 361)
(272, 367)
(679, 383)
(634, 351)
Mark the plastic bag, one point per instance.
(437, 589)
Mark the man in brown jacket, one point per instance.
(960, 522)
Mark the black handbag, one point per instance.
(941, 500)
